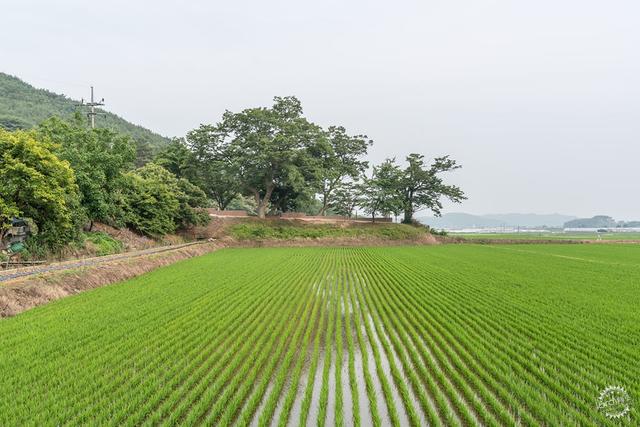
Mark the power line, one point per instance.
(92, 108)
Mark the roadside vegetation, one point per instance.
(444, 335)
(101, 243)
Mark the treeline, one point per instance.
(283, 162)
(63, 176)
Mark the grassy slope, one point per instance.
(26, 106)
(254, 230)
(523, 332)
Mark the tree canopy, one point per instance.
(98, 158)
(155, 202)
(380, 192)
(263, 148)
(338, 159)
(423, 187)
(38, 185)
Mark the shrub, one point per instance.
(155, 202)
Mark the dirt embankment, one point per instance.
(24, 293)
(427, 239)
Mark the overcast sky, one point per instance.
(538, 100)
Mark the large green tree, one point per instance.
(381, 192)
(423, 187)
(37, 184)
(346, 197)
(178, 159)
(338, 159)
(263, 147)
(98, 158)
(216, 172)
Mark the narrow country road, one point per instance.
(14, 273)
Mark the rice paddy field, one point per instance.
(433, 335)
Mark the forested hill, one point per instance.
(22, 106)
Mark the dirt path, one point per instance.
(34, 286)
(14, 273)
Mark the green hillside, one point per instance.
(22, 106)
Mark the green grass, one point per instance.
(444, 335)
(285, 230)
(103, 243)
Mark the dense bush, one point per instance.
(155, 202)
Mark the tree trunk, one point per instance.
(325, 203)
(262, 210)
(408, 216)
(323, 210)
(262, 204)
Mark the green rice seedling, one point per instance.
(328, 350)
(312, 330)
(353, 383)
(308, 393)
(371, 395)
(444, 335)
(386, 388)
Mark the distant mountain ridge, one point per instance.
(459, 220)
(22, 106)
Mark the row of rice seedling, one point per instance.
(265, 364)
(200, 359)
(362, 345)
(153, 396)
(514, 356)
(292, 350)
(435, 371)
(315, 357)
(439, 322)
(450, 335)
(463, 399)
(540, 382)
(93, 362)
(328, 352)
(351, 364)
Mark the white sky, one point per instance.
(539, 100)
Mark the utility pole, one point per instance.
(92, 112)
